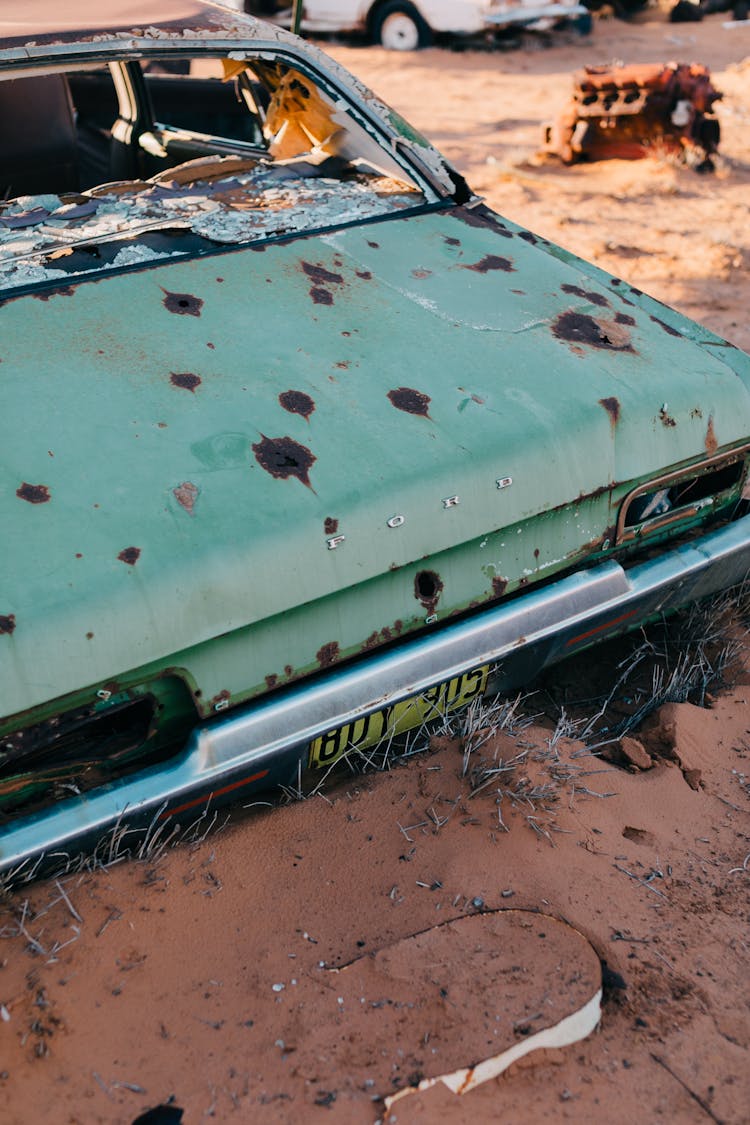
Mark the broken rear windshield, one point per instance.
(121, 164)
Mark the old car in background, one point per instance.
(302, 444)
(406, 25)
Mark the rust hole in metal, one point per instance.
(612, 406)
(666, 418)
(284, 457)
(321, 296)
(586, 295)
(183, 304)
(580, 328)
(328, 654)
(410, 401)
(491, 262)
(7, 624)
(33, 493)
(185, 380)
(330, 525)
(624, 318)
(428, 586)
(130, 555)
(186, 494)
(499, 585)
(297, 402)
(663, 324)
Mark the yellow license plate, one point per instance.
(366, 732)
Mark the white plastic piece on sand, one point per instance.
(569, 1030)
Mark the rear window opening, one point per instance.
(681, 496)
(120, 164)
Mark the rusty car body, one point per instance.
(301, 442)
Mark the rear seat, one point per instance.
(38, 151)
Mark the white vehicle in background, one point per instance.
(405, 25)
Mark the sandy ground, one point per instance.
(271, 972)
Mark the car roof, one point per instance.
(80, 21)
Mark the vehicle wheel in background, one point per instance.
(398, 26)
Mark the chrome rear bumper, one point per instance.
(264, 744)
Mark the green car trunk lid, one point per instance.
(200, 445)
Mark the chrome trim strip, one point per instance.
(252, 739)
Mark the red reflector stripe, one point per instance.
(601, 628)
(213, 793)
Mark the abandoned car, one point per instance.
(400, 25)
(302, 444)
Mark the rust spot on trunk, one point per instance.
(364, 274)
(321, 296)
(663, 324)
(63, 291)
(491, 262)
(284, 457)
(374, 245)
(612, 406)
(297, 402)
(499, 585)
(7, 624)
(319, 275)
(482, 218)
(330, 526)
(580, 328)
(185, 380)
(451, 241)
(183, 304)
(186, 494)
(33, 493)
(130, 555)
(527, 236)
(410, 401)
(624, 318)
(665, 418)
(711, 443)
(428, 586)
(586, 295)
(271, 681)
(288, 670)
(328, 654)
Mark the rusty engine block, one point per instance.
(635, 111)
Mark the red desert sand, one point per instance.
(311, 961)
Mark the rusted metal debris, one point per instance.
(635, 111)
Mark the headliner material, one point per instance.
(40, 20)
